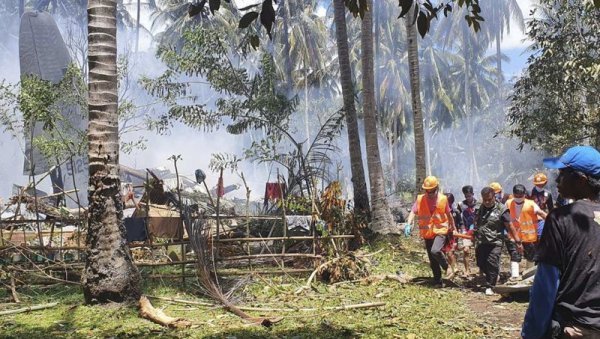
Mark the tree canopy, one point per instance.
(555, 101)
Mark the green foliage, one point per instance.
(295, 205)
(246, 102)
(411, 310)
(555, 104)
(44, 103)
(225, 161)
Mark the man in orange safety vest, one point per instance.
(435, 220)
(524, 214)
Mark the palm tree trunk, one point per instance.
(499, 63)
(109, 274)
(137, 27)
(473, 173)
(381, 220)
(306, 118)
(286, 47)
(376, 19)
(415, 89)
(361, 197)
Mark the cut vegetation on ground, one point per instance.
(379, 306)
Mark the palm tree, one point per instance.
(109, 273)
(391, 83)
(381, 220)
(361, 198)
(498, 16)
(302, 47)
(471, 69)
(413, 60)
(173, 16)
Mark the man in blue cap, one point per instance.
(565, 296)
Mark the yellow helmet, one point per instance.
(540, 179)
(496, 187)
(430, 183)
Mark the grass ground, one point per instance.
(412, 310)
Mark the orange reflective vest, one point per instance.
(526, 222)
(432, 223)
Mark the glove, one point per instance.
(407, 229)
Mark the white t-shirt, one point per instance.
(519, 208)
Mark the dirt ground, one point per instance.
(500, 317)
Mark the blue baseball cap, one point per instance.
(582, 158)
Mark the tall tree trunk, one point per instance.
(415, 90)
(109, 273)
(361, 197)
(467, 55)
(306, 113)
(285, 9)
(499, 64)
(137, 26)
(376, 19)
(21, 8)
(381, 218)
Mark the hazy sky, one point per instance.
(195, 147)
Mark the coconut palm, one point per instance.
(413, 60)
(392, 82)
(301, 44)
(361, 198)
(498, 17)
(109, 273)
(381, 218)
(173, 17)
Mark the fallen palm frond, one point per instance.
(201, 241)
(158, 316)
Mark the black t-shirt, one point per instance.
(490, 224)
(571, 242)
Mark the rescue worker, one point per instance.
(564, 298)
(468, 209)
(542, 197)
(435, 220)
(491, 222)
(524, 214)
(500, 196)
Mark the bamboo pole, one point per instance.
(172, 263)
(26, 221)
(263, 309)
(283, 215)
(58, 248)
(28, 309)
(271, 255)
(147, 219)
(180, 218)
(300, 237)
(247, 216)
(1, 233)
